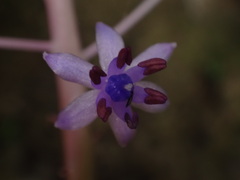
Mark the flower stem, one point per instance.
(65, 38)
(24, 44)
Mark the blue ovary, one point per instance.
(119, 87)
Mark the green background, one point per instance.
(197, 137)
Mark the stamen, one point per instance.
(96, 73)
(154, 97)
(153, 92)
(129, 56)
(154, 100)
(99, 71)
(129, 101)
(124, 56)
(131, 122)
(153, 65)
(103, 111)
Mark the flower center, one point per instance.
(119, 87)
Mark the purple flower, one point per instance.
(116, 85)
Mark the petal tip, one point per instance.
(100, 25)
(45, 54)
(63, 125)
(174, 44)
(56, 125)
(124, 141)
(121, 131)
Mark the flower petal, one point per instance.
(79, 113)
(138, 94)
(104, 106)
(109, 43)
(137, 100)
(122, 132)
(69, 67)
(136, 73)
(113, 69)
(125, 113)
(160, 50)
(121, 108)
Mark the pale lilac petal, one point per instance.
(139, 94)
(120, 108)
(160, 50)
(101, 85)
(147, 107)
(113, 69)
(79, 113)
(109, 43)
(136, 73)
(104, 95)
(69, 67)
(122, 132)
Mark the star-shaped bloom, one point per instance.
(116, 85)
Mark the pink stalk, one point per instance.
(65, 38)
(24, 44)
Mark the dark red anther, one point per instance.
(131, 122)
(154, 100)
(154, 97)
(96, 73)
(99, 71)
(103, 111)
(129, 56)
(124, 56)
(153, 65)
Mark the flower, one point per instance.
(116, 85)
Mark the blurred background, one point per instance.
(197, 137)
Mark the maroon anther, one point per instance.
(131, 122)
(95, 74)
(124, 56)
(153, 65)
(103, 111)
(154, 97)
